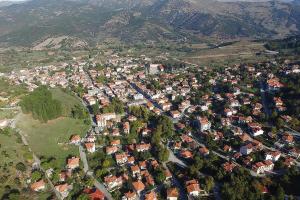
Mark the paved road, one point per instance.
(83, 159)
(174, 159)
(267, 110)
(102, 188)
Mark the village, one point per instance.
(161, 132)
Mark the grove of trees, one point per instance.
(41, 105)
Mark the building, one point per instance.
(112, 182)
(90, 147)
(193, 188)
(73, 163)
(172, 194)
(38, 186)
(138, 186)
(203, 124)
(102, 119)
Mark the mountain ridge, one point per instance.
(145, 20)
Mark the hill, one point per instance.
(92, 21)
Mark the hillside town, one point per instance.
(174, 132)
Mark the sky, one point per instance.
(11, 0)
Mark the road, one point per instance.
(174, 159)
(267, 110)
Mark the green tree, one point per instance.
(36, 175)
(21, 167)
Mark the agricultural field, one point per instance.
(227, 53)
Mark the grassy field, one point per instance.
(67, 100)
(49, 139)
(12, 151)
(237, 52)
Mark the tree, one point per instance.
(36, 175)
(21, 167)
(95, 108)
(209, 183)
(280, 193)
(156, 138)
(163, 153)
(83, 197)
(160, 176)
(167, 126)
(41, 105)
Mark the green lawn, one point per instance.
(49, 139)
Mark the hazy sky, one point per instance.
(12, 0)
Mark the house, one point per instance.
(143, 165)
(262, 167)
(166, 106)
(121, 158)
(228, 167)
(258, 168)
(150, 105)
(131, 160)
(102, 119)
(38, 186)
(149, 180)
(246, 149)
(126, 128)
(289, 161)
(288, 138)
(94, 194)
(73, 163)
(228, 112)
(90, 147)
(143, 147)
(130, 196)
(186, 154)
(115, 142)
(111, 149)
(172, 194)
(63, 175)
(135, 170)
(294, 152)
(193, 188)
(168, 174)
(203, 124)
(175, 114)
(204, 151)
(274, 84)
(256, 129)
(177, 145)
(151, 195)
(273, 155)
(63, 189)
(138, 186)
(75, 139)
(112, 182)
(227, 148)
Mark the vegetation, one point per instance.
(116, 106)
(41, 105)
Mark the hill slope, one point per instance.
(34, 21)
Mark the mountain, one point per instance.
(33, 22)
